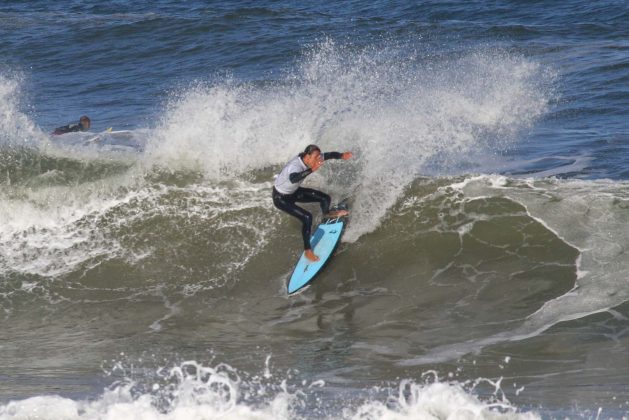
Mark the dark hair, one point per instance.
(311, 148)
(84, 118)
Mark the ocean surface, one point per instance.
(484, 273)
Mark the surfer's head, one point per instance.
(310, 155)
(311, 148)
(85, 122)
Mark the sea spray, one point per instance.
(16, 128)
(193, 390)
(402, 114)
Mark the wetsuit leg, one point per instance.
(308, 195)
(287, 204)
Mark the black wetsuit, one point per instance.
(70, 128)
(287, 191)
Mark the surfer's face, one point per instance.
(311, 158)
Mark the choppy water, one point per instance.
(484, 271)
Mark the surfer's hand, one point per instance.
(347, 155)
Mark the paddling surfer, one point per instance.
(287, 190)
(83, 125)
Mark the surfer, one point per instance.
(287, 190)
(83, 125)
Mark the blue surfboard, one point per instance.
(323, 242)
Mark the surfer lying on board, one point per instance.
(83, 125)
(287, 190)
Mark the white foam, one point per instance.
(401, 114)
(438, 401)
(120, 404)
(52, 231)
(193, 391)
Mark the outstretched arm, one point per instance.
(296, 177)
(337, 155)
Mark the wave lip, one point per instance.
(403, 113)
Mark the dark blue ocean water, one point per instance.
(487, 241)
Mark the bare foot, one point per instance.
(311, 255)
(338, 213)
